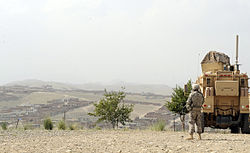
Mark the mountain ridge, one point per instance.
(129, 87)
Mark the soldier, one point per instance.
(193, 105)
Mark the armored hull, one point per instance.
(226, 97)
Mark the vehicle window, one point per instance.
(242, 82)
(208, 81)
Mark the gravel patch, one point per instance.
(119, 141)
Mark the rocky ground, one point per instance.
(119, 141)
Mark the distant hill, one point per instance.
(39, 83)
(130, 87)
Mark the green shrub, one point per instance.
(47, 123)
(159, 126)
(72, 126)
(4, 126)
(28, 127)
(98, 128)
(61, 125)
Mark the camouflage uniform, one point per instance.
(194, 104)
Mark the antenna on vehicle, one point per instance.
(237, 53)
(237, 48)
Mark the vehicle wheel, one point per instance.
(245, 124)
(235, 129)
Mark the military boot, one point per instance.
(199, 136)
(190, 138)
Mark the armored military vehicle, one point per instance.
(225, 91)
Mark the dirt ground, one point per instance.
(119, 141)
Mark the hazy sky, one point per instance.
(140, 41)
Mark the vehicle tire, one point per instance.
(235, 129)
(245, 124)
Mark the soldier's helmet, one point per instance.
(195, 87)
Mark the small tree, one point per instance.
(111, 108)
(47, 123)
(178, 102)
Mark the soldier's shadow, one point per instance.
(231, 140)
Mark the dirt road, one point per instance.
(105, 141)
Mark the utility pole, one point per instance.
(174, 121)
(65, 105)
(64, 115)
